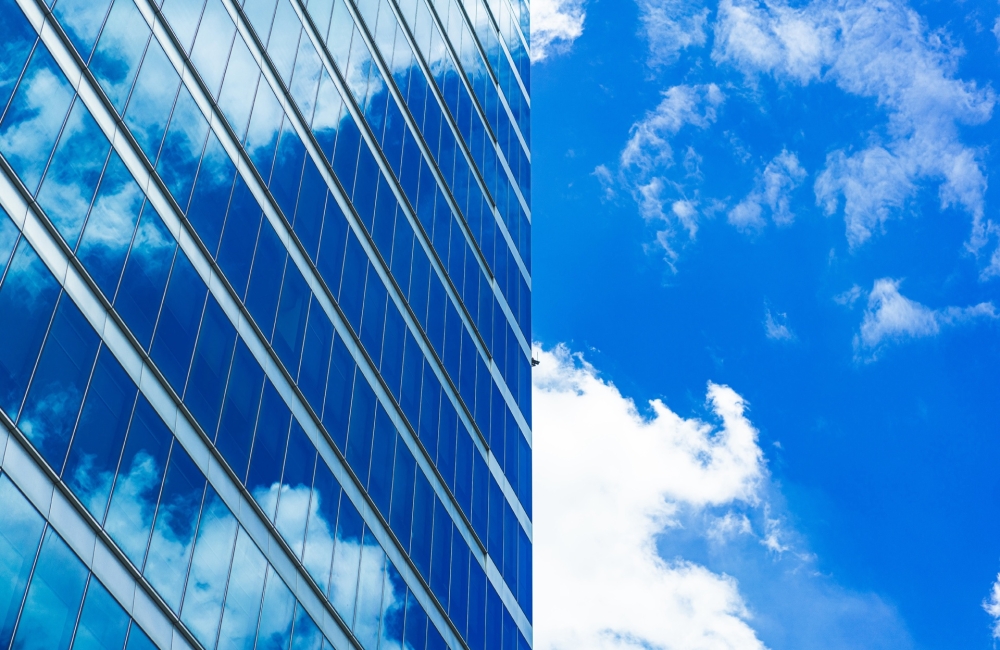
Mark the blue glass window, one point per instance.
(151, 100)
(103, 623)
(119, 50)
(206, 585)
(243, 596)
(16, 39)
(145, 278)
(20, 532)
(289, 328)
(239, 414)
(264, 478)
(210, 366)
(178, 324)
(60, 380)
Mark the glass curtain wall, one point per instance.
(265, 324)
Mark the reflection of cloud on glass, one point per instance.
(32, 123)
(206, 584)
(131, 513)
(91, 487)
(72, 176)
(46, 417)
(112, 219)
(82, 21)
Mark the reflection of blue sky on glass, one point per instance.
(793, 200)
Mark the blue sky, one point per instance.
(779, 220)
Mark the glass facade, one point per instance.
(265, 364)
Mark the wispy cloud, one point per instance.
(555, 24)
(773, 188)
(882, 50)
(671, 26)
(992, 602)
(776, 326)
(648, 155)
(891, 317)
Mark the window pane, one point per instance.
(210, 367)
(119, 51)
(291, 319)
(108, 233)
(151, 100)
(31, 125)
(133, 501)
(97, 444)
(296, 489)
(81, 19)
(183, 18)
(370, 581)
(53, 598)
(275, 615)
(145, 278)
(264, 477)
(16, 39)
(306, 636)
(178, 325)
(206, 585)
(346, 559)
(72, 177)
(30, 291)
(211, 194)
(56, 391)
(103, 622)
(182, 148)
(20, 532)
(322, 523)
(211, 47)
(239, 414)
(243, 596)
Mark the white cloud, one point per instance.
(773, 186)
(648, 155)
(892, 317)
(992, 603)
(658, 531)
(881, 50)
(776, 326)
(555, 24)
(612, 480)
(671, 26)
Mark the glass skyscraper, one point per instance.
(265, 364)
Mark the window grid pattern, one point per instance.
(101, 214)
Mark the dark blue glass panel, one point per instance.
(119, 51)
(463, 470)
(60, 380)
(174, 530)
(429, 411)
(409, 394)
(287, 173)
(137, 640)
(70, 182)
(359, 439)
(93, 458)
(494, 619)
(211, 194)
(524, 596)
(210, 366)
(509, 632)
(30, 291)
(423, 525)
(434, 639)
(373, 317)
(30, 128)
(393, 608)
(53, 598)
(416, 624)
(316, 357)
(476, 635)
(110, 226)
(330, 262)
(8, 238)
(268, 448)
(240, 237)
(402, 254)
(385, 221)
(452, 342)
(510, 528)
(340, 385)
(151, 100)
(365, 186)
(103, 623)
(418, 294)
(480, 496)
(383, 451)
(309, 212)
(441, 553)
(524, 473)
(447, 442)
(494, 537)
(240, 410)
(391, 366)
(265, 279)
(401, 512)
(137, 486)
(20, 532)
(435, 314)
(458, 609)
(182, 148)
(178, 324)
(290, 324)
(352, 291)
(145, 277)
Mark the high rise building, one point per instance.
(265, 324)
